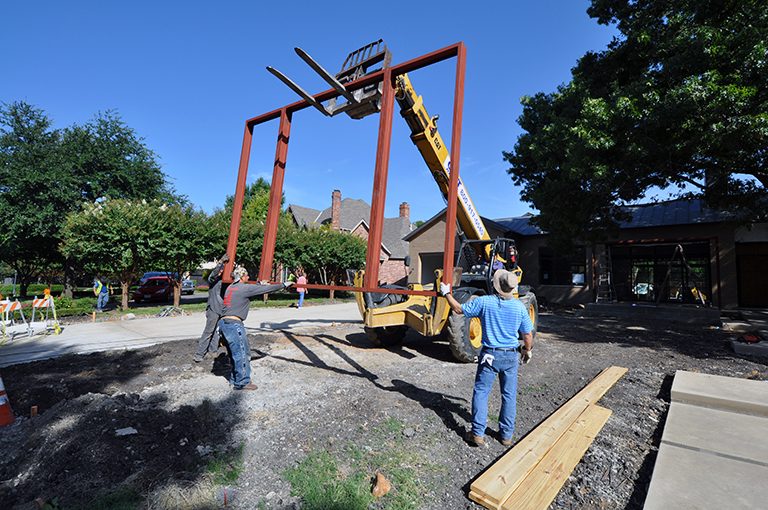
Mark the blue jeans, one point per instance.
(505, 364)
(301, 299)
(102, 300)
(239, 352)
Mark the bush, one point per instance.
(78, 306)
(34, 289)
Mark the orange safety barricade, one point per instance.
(12, 320)
(49, 321)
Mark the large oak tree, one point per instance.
(679, 99)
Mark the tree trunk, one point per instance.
(124, 291)
(69, 289)
(176, 293)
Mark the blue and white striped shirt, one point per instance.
(502, 319)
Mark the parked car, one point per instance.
(152, 274)
(188, 286)
(155, 288)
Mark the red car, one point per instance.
(157, 288)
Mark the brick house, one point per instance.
(352, 215)
(727, 261)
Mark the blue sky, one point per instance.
(186, 75)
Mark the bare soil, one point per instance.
(330, 391)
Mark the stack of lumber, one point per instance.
(530, 475)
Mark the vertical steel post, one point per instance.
(379, 196)
(237, 206)
(450, 212)
(275, 196)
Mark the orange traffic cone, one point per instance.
(6, 413)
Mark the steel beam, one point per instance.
(275, 196)
(378, 198)
(237, 206)
(450, 212)
(379, 195)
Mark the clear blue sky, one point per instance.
(186, 75)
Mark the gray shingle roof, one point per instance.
(673, 212)
(662, 214)
(392, 236)
(303, 215)
(353, 211)
(520, 225)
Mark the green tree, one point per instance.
(46, 173)
(324, 254)
(179, 247)
(119, 238)
(252, 225)
(109, 160)
(34, 188)
(679, 99)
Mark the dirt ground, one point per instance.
(328, 394)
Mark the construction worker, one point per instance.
(504, 320)
(234, 312)
(101, 291)
(209, 340)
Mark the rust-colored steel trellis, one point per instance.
(378, 196)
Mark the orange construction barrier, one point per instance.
(6, 413)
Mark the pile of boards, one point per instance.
(530, 475)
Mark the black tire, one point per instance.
(388, 336)
(532, 305)
(465, 342)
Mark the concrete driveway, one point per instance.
(133, 334)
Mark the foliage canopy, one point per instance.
(679, 99)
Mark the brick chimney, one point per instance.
(405, 211)
(336, 210)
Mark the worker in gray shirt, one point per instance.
(234, 312)
(209, 341)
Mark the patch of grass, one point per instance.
(225, 469)
(493, 417)
(125, 498)
(344, 482)
(393, 425)
(533, 389)
(319, 482)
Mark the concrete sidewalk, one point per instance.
(133, 334)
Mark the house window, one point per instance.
(558, 269)
(657, 272)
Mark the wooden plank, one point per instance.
(495, 485)
(542, 485)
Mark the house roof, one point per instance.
(662, 214)
(672, 212)
(441, 215)
(395, 229)
(303, 215)
(353, 211)
(520, 225)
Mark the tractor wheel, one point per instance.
(464, 336)
(530, 303)
(387, 336)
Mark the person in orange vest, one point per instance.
(101, 291)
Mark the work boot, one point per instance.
(248, 387)
(506, 442)
(474, 440)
